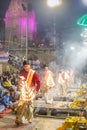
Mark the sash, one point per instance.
(29, 77)
(30, 90)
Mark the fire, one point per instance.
(50, 81)
(26, 92)
(64, 80)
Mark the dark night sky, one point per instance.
(66, 15)
(3, 7)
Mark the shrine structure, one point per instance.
(18, 18)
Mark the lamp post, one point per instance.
(26, 9)
(53, 4)
(26, 33)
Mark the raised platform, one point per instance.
(58, 109)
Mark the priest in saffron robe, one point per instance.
(29, 85)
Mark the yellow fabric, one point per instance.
(29, 77)
(6, 84)
(72, 122)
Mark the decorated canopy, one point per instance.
(82, 21)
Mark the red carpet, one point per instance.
(3, 113)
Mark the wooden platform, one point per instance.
(58, 109)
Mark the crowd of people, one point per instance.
(9, 93)
(24, 86)
(16, 61)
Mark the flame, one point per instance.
(50, 81)
(26, 92)
(65, 76)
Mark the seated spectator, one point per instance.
(1, 91)
(6, 100)
(7, 83)
(12, 95)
